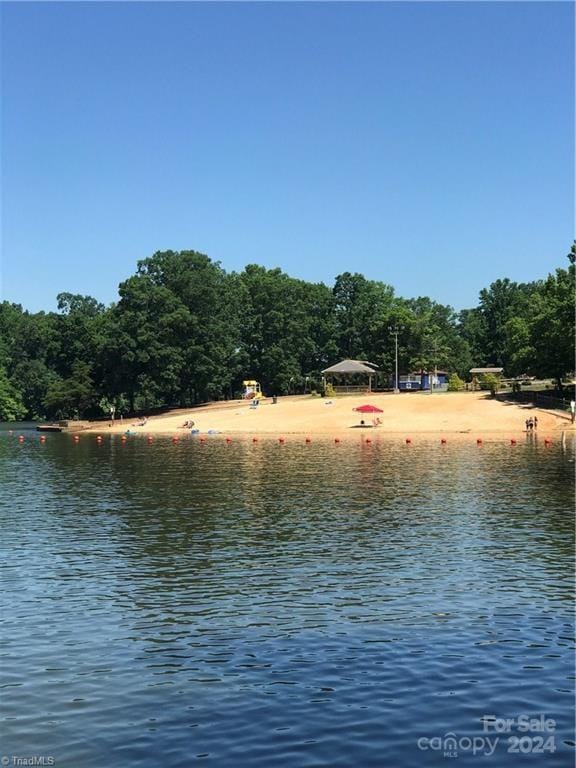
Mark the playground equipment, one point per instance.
(252, 390)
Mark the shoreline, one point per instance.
(462, 415)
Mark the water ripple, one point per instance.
(249, 605)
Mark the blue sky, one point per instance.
(427, 145)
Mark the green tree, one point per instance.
(73, 396)
(433, 339)
(34, 379)
(77, 329)
(552, 330)
(362, 309)
(172, 337)
(520, 352)
(11, 406)
(287, 328)
(497, 306)
(502, 323)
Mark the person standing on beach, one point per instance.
(535, 422)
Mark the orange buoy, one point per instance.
(337, 440)
(479, 441)
(228, 439)
(308, 440)
(254, 439)
(281, 440)
(149, 438)
(368, 440)
(124, 438)
(547, 441)
(408, 441)
(99, 439)
(175, 439)
(76, 438)
(42, 438)
(443, 441)
(513, 441)
(21, 438)
(202, 439)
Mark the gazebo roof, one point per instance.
(352, 366)
(486, 370)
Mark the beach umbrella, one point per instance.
(368, 409)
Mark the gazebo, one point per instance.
(476, 372)
(350, 370)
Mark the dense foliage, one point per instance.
(184, 331)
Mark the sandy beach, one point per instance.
(473, 415)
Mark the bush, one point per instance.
(455, 383)
(490, 382)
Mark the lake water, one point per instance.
(350, 606)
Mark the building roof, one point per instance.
(427, 372)
(486, 370)
(352, 366)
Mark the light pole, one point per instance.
(395, 331)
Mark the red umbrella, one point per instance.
(368, 409)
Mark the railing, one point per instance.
(538, 399)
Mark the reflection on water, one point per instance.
(296, 605)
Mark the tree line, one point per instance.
(185, 331)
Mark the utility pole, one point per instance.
(395, 331)
(434, 377)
